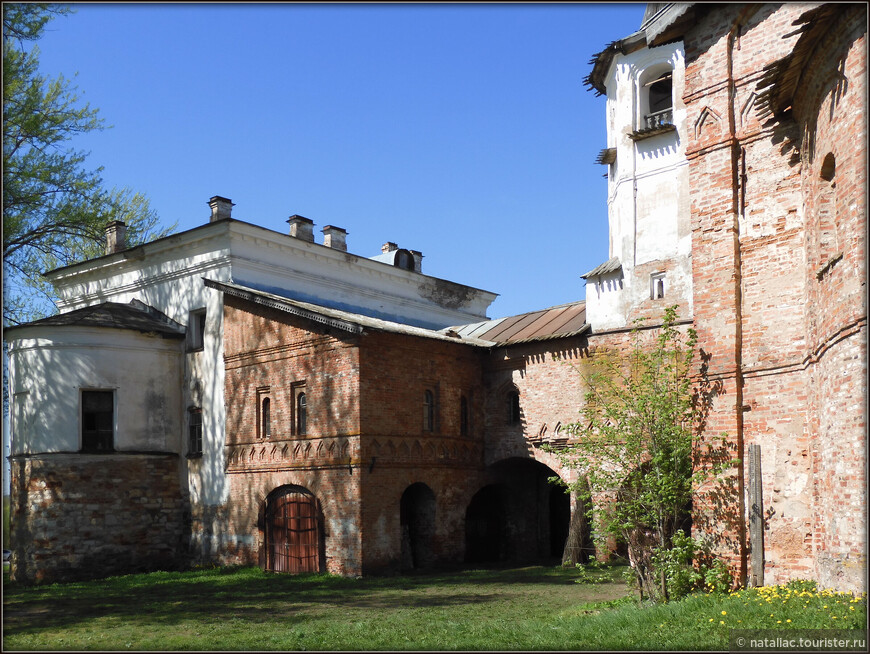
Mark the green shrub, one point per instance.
(688, 566)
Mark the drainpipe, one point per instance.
(736, 196)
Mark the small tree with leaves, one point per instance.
(635, 448)
(55, 208)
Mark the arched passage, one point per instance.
(520, 516)
(417, 520)
(293, 529)
(485, 524)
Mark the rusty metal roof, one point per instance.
(556, 322)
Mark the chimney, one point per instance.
(301, 228)
(220, 208)
(418, 260)
(389, 247)
(335, 238)
(116, 237)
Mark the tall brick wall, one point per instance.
(395, 371)
(270, 352)
(79, 516)
(831, 109)
(760, 312)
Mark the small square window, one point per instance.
(657, 286)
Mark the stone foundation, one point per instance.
(78, 516)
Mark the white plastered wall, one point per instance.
(49, 367)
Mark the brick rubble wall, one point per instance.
(78, 516)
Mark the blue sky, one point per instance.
(460, 130)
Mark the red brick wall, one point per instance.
(831, 107)
(263, 348)
(759, 311)
(395, 370)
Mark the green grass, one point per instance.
(531, 608)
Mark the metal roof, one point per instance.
(354, 323)
(611, 265)
(136, 316)
(556, 322)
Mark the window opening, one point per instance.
(513, 408)
(98, 421)
(196, 329)
(660, 93)
(657, 286)
(194, 422)
(829, 167)
(301, 413)
(266, 417)
(428, 411)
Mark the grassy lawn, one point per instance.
(533, 608)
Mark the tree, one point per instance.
(54, 208)
(636, 450)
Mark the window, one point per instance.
(98, 421)
(264, 413)
(513, 407)
(428, 410)
(659, 102)
(196, 329)
(301, 413)
(657, 286)
(194, 432)
(463, 416)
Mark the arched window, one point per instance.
(428, 411)
(301, 414)
(463, 416)
(513, 407)
(659, 102)
(266, 417)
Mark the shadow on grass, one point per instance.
(249, 594)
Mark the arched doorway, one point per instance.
(293, 529)
(417, 520)
(520, 516)
(485, 526)
(560, 520)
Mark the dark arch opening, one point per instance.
(485, 525)
(560, 520)
(417, 522)
(519, 517)
(829, 167)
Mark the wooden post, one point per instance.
(756, 518)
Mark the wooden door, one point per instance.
(293, 533)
